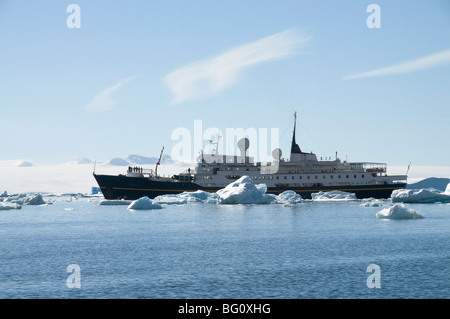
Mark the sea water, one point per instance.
(75, 248)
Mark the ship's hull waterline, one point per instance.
(132, 188)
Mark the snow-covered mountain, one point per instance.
(18, 176)
(431, 182)
(136, 159)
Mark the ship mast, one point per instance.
(295, 149)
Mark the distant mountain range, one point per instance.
(135, 159)
(130, 160)
(432, 182)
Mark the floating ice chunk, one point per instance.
(243, 191)
(399, 211)
(186, 197)
(372, 203)
(447, 189)
(423, 195)
(289, 198)
(114, 202)
(170, 200)
(35, 199)
(144, 203)
(212, 199)
(8, 206)
(262, 188)
(333, 196)
(26, 199)
(197, 196)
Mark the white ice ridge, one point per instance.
(398, 211)
(243, 191)
(447, 189)
(423, 195)
(144, 203)
(25, 199)
(333, 196)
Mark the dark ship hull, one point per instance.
(132, 188)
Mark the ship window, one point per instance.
(308, 177)
(362, 176)
(316, 176)
(278, 177)
(355, 176)
(339, 176)
(300, 177)
(285, 177)
(293, 176)
(331, 176)
(346, 176)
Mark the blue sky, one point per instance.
(137, 70)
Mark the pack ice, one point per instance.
(398, 211)
(423, 195)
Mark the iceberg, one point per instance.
(243, 191)
(447, 189)
(26, 199)
(399, 211)
(198, 196)
(185, 197)
(144, 203)
(372, 203)
(170, 200)
(423, 195)
(333, 196)
(8, 206)
(289, 198)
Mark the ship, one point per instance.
(302, 173)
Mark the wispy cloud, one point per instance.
(104, 100)
(210, 76)
(426, 62)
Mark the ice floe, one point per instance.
(186, 197)
(144, 203)
(398, 211)
(26, 199)
(170, 199)
(333, 196)
(114, 202)
(371, 202)
(243, 191)
(289, 198)
(423, 195)
(8, 206)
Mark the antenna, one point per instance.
(407, 171)
(159, 162)
(216, 144)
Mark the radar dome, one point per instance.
(277, 153)
(243, 145)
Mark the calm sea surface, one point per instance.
(309, 250)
